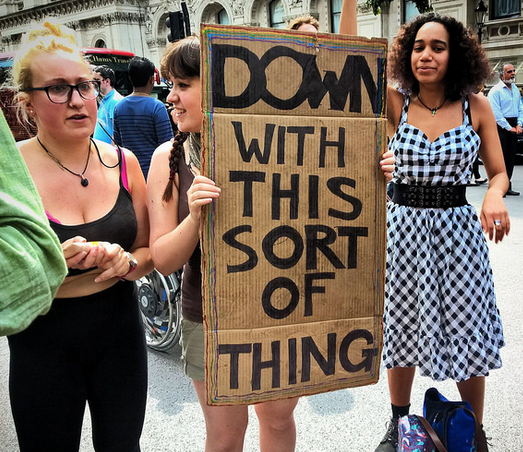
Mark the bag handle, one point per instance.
(480, 439)
(433, 435)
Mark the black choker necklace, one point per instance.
(433, 110)
(84, 180)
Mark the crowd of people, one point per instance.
(89, 166)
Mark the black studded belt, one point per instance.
(429, 196)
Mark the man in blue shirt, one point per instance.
(508, 110)
(104, 125)
(141, 122)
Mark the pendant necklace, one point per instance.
(84, 180)
(433, 110)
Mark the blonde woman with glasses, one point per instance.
(90, 346)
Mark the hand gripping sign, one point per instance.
(293, 250)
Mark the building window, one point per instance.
(100, 43)
(223, 17)
(335, 15)
(276, 13)
(409, 10)
(506, 8)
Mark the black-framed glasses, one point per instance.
(61, 94)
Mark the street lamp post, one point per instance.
(481, 14)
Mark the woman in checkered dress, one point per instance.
(440, 310)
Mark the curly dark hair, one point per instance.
(468, 67)
(180, 60)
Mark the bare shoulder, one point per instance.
(161, 155)
(107, 152)
(160, 162)
(31, 152)
(131, 160)
(394, 105)
(24, 145)
(163, 151)
(480, 110)
(479, 101)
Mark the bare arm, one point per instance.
(172, 242)
(394, 107)
(348, 18)
(138, 189)
(491, 154)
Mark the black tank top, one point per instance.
(192, 276)
(119, 225)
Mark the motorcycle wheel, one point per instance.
(160, 306)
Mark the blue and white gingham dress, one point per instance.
(440, 307)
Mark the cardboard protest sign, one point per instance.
(293, 250)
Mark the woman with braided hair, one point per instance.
(176, 193)
(175, 199)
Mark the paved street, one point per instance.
(351, 420)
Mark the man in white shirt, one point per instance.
(508, 110)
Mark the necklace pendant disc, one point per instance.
(84, 182)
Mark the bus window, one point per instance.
(117, 60)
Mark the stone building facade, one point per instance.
(139, 25)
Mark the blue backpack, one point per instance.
(454, 422)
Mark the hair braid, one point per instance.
(174, 157)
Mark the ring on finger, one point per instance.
(497, 223)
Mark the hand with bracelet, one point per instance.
(117, 263)
(111, 258)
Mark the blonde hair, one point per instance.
(50, 37)
(302, 20)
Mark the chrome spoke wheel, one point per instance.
(159, 302)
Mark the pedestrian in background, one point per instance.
(508, 110)
(440, 307)
(109, 98)
(141, 122)
(304, 23)
(310, 23)
(90, 346)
